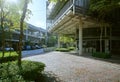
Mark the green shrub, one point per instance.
(62, 49)
(30, 70)
(101, 55)
(71, 48)
(10, 58)
(7, 53)
(57, 49)
(10, 72)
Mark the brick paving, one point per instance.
(71, 68)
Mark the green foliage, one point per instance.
(101, 55)
(7, 53)
(8, 57)
(10, 72)
(62, 49)
(59, 5)
(30, 70)
(71, 48)
(105, 10)
(66, 39)
(51, 40)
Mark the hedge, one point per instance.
(10, 72)
(101, 55)
(62, 49)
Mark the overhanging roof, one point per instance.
(68, 23)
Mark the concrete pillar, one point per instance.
(58, 41)
(80, 38)
(106, 46)
(106, 42)
(76, 37)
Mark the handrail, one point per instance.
(80, 7)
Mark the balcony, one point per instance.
(75, 6)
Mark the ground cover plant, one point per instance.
(63, 49)
(8, 56)
(101, 55)
(29, 71)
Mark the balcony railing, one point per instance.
(67, 6)
(77, 6)
(81, 6)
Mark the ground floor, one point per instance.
(71, 68)
(96, 39)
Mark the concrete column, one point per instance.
(76, 37)
(58, 41)
(80, 38)
(106, 42)
(106, 46)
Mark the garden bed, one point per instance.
(8, 57)
(101, 55)
(29, 71)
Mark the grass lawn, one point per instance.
(13, 53)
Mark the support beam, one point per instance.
(106, 42)
(58, 41)
(80, 37)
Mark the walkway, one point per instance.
(71, 68)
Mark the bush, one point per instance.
(71, 48)
(10, 72)
(62, 49)
(30, 70)
(10, 58)
(101, 55)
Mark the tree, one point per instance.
(24, 11)
(105, 10)
(8, 11)
(11, 18)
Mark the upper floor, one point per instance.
(32, 31)
(55, 11)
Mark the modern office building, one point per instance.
(70, 18)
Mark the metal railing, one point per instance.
(66, 6)
(80, 7)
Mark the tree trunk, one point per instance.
(3, 33)
(21, 30)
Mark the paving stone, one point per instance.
(72, 68)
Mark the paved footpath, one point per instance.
(71, 68)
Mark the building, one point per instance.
(70, 18)
(32, 34)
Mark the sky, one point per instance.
(38, 17)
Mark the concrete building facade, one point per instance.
(70, 18)
(32, 34)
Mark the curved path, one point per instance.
(71, 68)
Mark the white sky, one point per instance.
(38, 8)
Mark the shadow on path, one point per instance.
(113, 59)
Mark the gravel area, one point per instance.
(71, 68)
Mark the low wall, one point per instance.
(49, 49)
(37, 51)
(32, 52)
